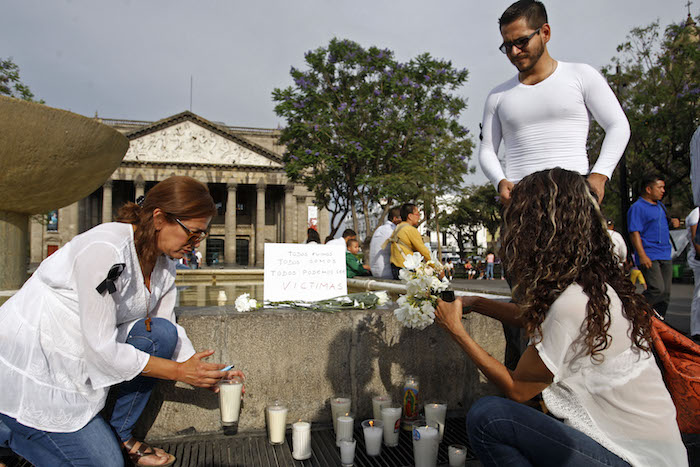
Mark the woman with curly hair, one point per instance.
(589, 352)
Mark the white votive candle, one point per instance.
(347, 452)
(436, 412)
(391, 417)
(457, 454)
(339, 406)
(301, 440)
(426, 440)
(344, 429)
(276, 423)
(377, 403)
(230, 403)
(373, 431)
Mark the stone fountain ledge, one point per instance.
(304, 358)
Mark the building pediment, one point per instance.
(188, 138)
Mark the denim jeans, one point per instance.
(92, 445)
(133, 395)
(95, 443)
(506, 433)
(489, 271)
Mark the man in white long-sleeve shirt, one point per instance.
(380, 254)
(542, 114)
(542, 117)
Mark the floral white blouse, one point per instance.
(62, 343)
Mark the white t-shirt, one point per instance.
(692, 219)
(622, 403)
(545, 125)
(619, 245)
(340, 241)
(380, 258)
(62, 343)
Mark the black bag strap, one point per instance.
(668, 220)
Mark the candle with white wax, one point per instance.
(436, 412)
(301, 440)
(339, 406)
(373, 430)
(377, 403)
(344, 429)
(426, 440)
(230, 391)
(276, 423)
(391, 417)
(347, 452)
(457, 455)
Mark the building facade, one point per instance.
(243, 168)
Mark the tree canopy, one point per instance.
(474, 208)
(10, 83)
(363, 127)
(658, 86)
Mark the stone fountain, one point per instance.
(49, 158)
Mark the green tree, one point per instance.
(10, 83)
(475, 207)
(657, 75)
(362, 127)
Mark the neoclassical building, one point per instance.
(242, 167)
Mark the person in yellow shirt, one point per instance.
(406, 240)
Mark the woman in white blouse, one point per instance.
(589, 354)
(97, 313)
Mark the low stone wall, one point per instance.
(304, 358)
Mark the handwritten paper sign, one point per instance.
(306, 272)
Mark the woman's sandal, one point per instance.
(144, 450)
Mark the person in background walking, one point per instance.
(379, 251)
(648, 224)
(490, 260)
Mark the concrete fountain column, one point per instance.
(49, 158)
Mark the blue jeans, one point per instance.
(489, 271)
(92, 445)
(506, 433)
(95, 443)
(133, 395)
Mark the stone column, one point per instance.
(260, 224)
(14, 229)
(230, 224)
(107, 202)
(290, 232)
(302, 219)
(323, 223)
(140, 186)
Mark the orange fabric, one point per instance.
(679, 358)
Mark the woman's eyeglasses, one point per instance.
(192, 237)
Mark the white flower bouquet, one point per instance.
(416, 309)
(361, 301)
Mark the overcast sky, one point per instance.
(133, 59)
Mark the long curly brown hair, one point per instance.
(554, 234)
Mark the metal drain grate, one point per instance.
(253, 450)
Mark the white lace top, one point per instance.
(622, 402)
(62, 344)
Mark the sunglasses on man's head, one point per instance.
(519, 43)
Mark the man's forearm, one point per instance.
(505, 312)
(636, 240)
